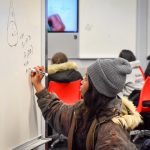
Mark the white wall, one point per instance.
(143, 35)
(63, 42)
(148, 52)
(106, 27)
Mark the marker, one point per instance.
(41, 72)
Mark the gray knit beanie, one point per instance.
(108, 75)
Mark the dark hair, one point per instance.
(59, 58)
(95, 101)
(148, 57)
(128, 55)
(96, 104)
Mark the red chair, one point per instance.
(144, 101)
(144, 109)
(68, 92)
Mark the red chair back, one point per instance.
(144, 101)
(68, 92)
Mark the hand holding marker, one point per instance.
(41, 72)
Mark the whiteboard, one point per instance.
(21, 48)
(106, 27)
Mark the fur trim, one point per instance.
(61, 67)
(129, 117)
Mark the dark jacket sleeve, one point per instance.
(147, 71)
(55, 112)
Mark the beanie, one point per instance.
(109, 75)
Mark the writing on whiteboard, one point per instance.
(12, 32)
(27, 48)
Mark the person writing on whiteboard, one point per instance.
(97, 121)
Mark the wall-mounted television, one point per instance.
(62, 15)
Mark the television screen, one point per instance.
(62, 15)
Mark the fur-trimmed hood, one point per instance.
(61, 67)
(129, 117)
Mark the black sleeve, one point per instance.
(147, 71)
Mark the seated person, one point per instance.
(147, 70)
(135, 80)
(62, 70)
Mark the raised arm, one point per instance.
(54, 111)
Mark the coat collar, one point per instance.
(129, 118)
(53, 68)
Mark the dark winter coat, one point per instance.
(64, 72)
(106, 133)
